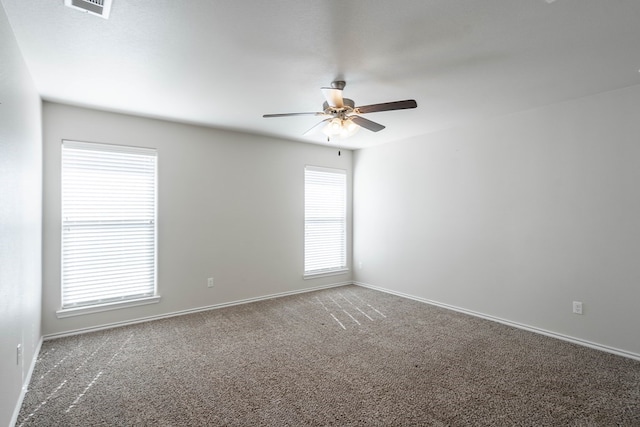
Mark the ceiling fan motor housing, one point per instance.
(348, 107)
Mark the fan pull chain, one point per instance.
(329, 141)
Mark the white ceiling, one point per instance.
(224, 63)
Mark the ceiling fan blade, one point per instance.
(387, 106)
(316, 127)
(293, 114)
(367, 124)
(333, 96)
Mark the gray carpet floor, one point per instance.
(340, 357)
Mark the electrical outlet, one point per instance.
(210, 282)
(577, 307)
(18, 354)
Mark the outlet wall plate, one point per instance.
(577, 307)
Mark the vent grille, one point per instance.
(100, 8)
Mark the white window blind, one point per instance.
(108, 223)
(325, 220)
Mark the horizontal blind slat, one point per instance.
(108, 227)
(325, 220)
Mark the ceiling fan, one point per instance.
(343, 117)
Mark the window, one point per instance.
(108, 225)
(325, 220)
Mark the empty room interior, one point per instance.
(423, 212)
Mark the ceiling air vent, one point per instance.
(99, 8)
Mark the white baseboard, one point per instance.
(190, 311)
(552, 334)
(25, 384)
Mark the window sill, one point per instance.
(325, 274)
(79, 311)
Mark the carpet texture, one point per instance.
(342, 356)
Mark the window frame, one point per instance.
(124, 300)
(344, 263)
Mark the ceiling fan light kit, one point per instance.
(344, 118)
(340, 128)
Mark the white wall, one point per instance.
(20, 220)
(513, 218)
(231, 206)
